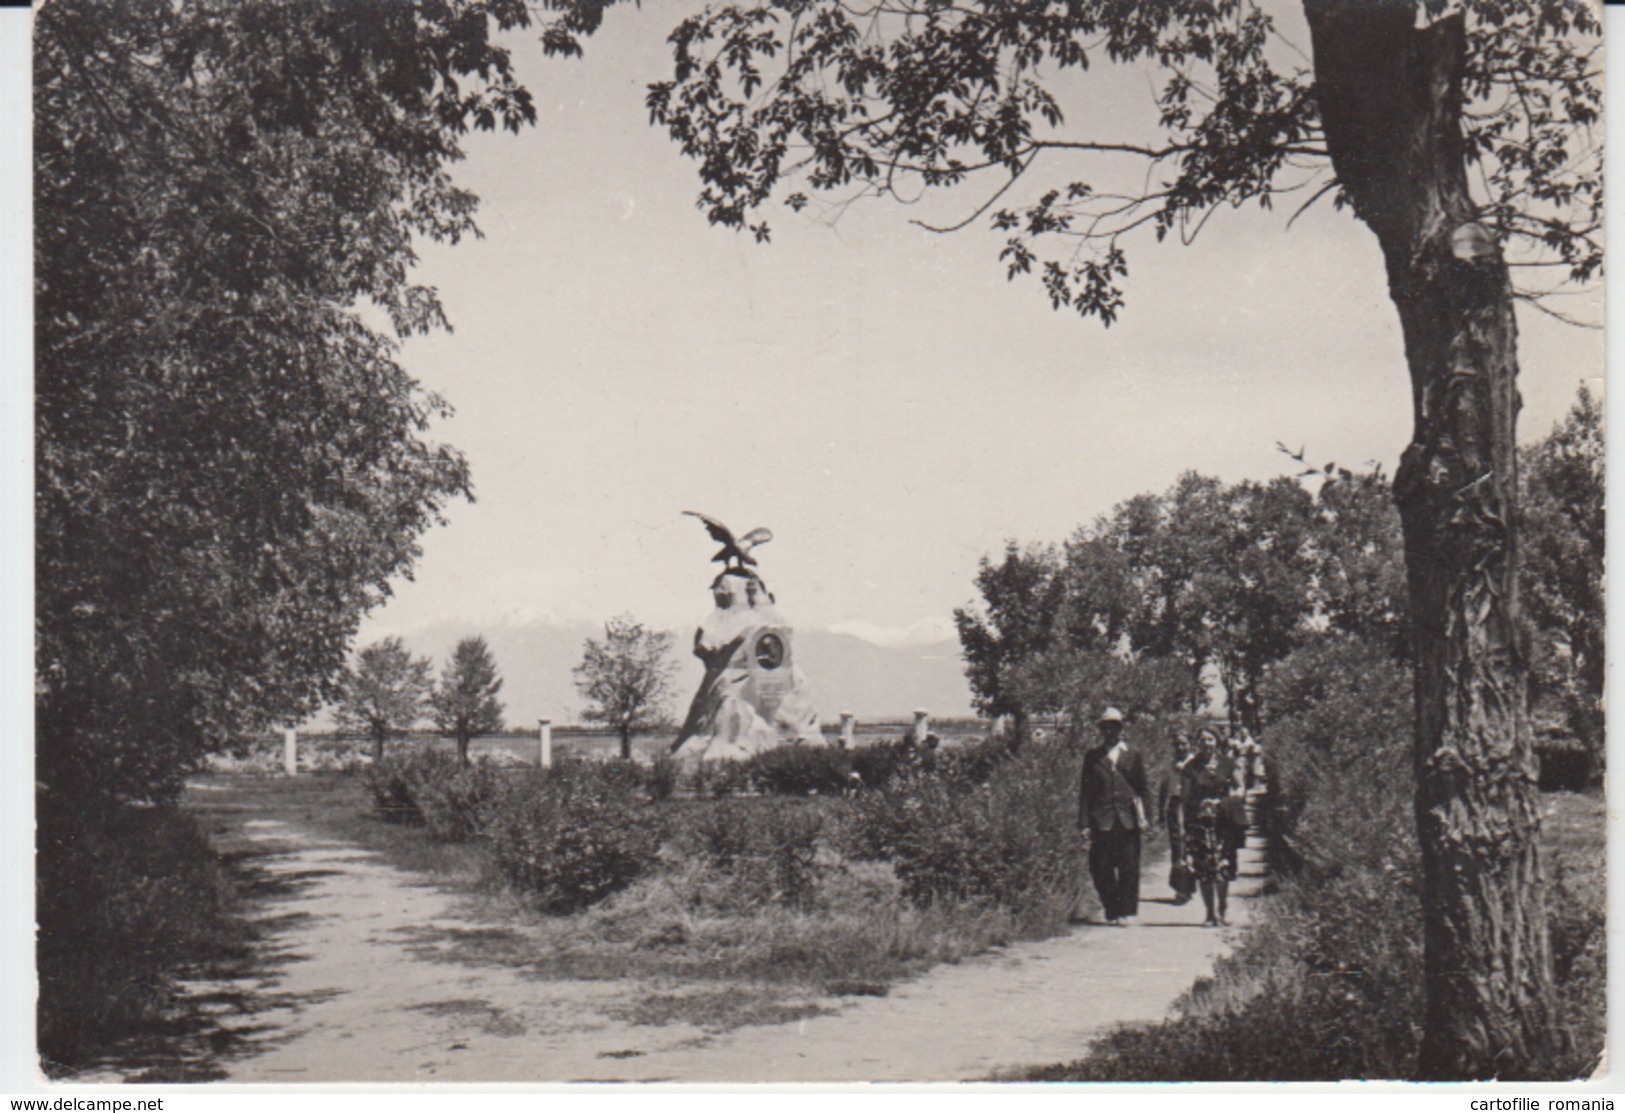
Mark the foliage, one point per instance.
(719, 778)
(1339, 761)
(800, 770)
(1564, 557)
(383, 694)
(664, 773)
(1358, 558)
(878, 762)
(824, 770)
(1012, 842)
(1075, 686)
(465, 704)
(767, 849)
(626, 678)
(231, 466)
(1012, 622)
(1140, 603)
(800, 98)
(127, 902)
(569, 836)
(435, 790)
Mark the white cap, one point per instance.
(1110, 715)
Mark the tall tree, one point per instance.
(1358, 556)
(230, 465)
(1255, 596)
(464, 704)
(1565, 543)
(1012, 622)
(1404, 97)
(626, 678)
(384, 694)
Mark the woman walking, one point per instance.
(1210, 778)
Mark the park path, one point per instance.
(354, 986)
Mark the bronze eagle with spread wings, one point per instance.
(733, 552)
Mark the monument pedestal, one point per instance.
(753, 696)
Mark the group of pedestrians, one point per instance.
(1201, 803)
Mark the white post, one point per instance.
(290, 752)
(544, 739)
(849, 729)
(922, 725)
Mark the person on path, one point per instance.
(1246, 751)
(1111, 808)
(1171, 814)
(1212, 779)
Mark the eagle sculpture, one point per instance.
(734, 552)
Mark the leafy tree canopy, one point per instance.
(384, 694)
(464, 704)
(1565, 557)
(626, 678)
(231, 464)
(838, 99)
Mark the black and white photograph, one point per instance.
(823, 542)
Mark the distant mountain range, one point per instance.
(846, 672)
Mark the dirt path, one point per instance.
(352, 992)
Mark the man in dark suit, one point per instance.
(1111, 807)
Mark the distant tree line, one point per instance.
(1228, 580)
(386, 692)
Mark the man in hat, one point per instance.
(1111, 807)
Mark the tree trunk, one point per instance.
(626, 743)
(1390, 101)
(462, 747)
(377, 747)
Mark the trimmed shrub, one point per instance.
(456, 801)
(878, 762)
(570, 836)
(800, 770)
(973, 762)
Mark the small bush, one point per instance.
(800, 770)
(572, 835)
(392, 796)
(456, 802)
(769, 848)
(1012, 842)
(719, 779)
(878, 762)
(973, 762)
(430, 788)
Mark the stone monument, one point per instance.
(753, 696)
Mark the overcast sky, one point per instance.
(878, 396)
